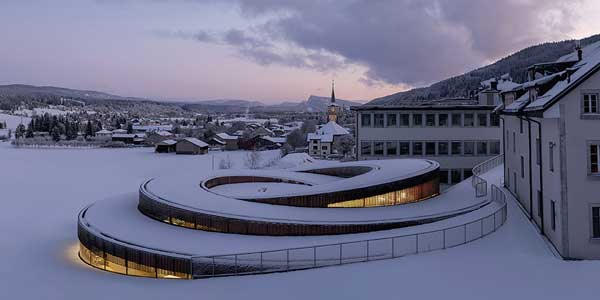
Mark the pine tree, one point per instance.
(56, 134)
(88, 129)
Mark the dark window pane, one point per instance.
(391, 120)
(404, 119)
(456, 119)
(444, 176)
(469, 148)
(456, 148)
(404, 148)
(365, 148)
(443, 148)
(378, 148)
(417, 148)
(596, 222)
(482, 148)
(443, 120)
(455, 176)
(469, 122)
(482, 120)
(430, 148)
(430, 120)
(365, 120)
(392, 148)
(417, 120)
(378, 120)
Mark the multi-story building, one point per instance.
(457, 133)
(552, 143)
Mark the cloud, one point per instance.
(405, 42)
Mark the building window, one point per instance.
(378, 148)
(444, 176)
(538, 151)
(469, 122)
(489, 99)
(315, 147)
(324, 147)
(482, 120)
(404, 148)
(596, 222)
(417, 120)
(594, 157)
(365, 120)
(404, 120)
(469, 148)
(467, 173)
(553, 213)
(514, 142)
(456, 148)
(417, 148)
(391, 120)
(521, 126)
(515, 182)
(494, 147)
(378, 120)
(391, 148)
(443, 148)
(455, 176)
(494, 120)
(540, 204)
(365, 148)
(482, 148)
(522, 167)
(590, 103)
(443, 120)
(457, 120)
(430, 120)
(430, 148)
(551, 156)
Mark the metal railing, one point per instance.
(352, 252)
(479, 184)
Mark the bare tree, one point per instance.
(225, 163)
(253, 160)
(296, 139)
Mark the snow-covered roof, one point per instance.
(167, 143)
(128, 135)
(565, 80)
(276, 140)
(104, 131)
(196, 142)
(163, 133)
(332, 128)
(119, 131)
(167, 127)
(225, 136)
(324, 138)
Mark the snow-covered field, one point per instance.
(13, 121)
(43, 190)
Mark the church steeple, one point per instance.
(332, 91)
(333, 110)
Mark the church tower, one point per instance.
(333, 110)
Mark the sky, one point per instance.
(270, 50)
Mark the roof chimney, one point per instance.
(494, 85)
(579, 50)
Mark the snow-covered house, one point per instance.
(552, 150)
(104, 133)
(231, 141)
(154, 137)
(191, 146)
(320, 143)
(166, 146)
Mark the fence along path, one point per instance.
(291, 259)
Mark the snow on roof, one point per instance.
(225, 136)
(332, 128)
(167, 143)
(104, 131)
(167, 127)
(128, 135)
(567, 79)
(163, 133)
(276, 140)
(324, 138)
(196, 142)
(119, 131)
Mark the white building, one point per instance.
(552, 144)
(457, 133)
(320, 143)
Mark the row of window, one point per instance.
(393, 148)
(454, 176)
(381, 120)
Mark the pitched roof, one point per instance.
(225, 136)
(324, 138)
(167, 143)
(196, 142)
(332, 128)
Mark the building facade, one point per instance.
(457, 133)
(551, 130)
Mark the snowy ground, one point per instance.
(43, 190)
(13, 121)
